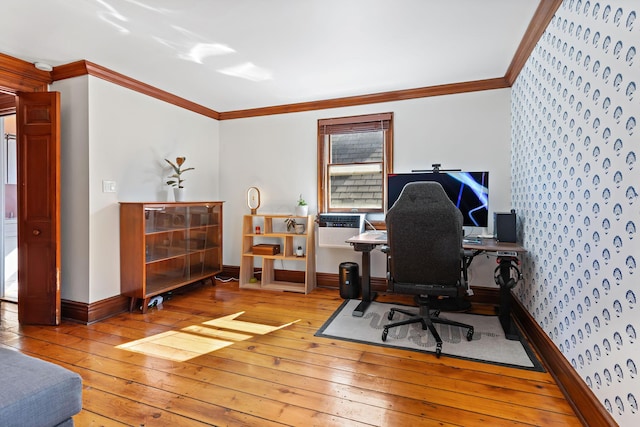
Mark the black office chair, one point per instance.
(425, 255)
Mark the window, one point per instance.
(355, 154)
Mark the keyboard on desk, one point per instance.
(472, 240)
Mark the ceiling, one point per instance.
(230, 55)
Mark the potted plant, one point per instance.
(175, 180)
(302, 209)
(290, 223)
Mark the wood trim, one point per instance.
(75, 311)
(398, 95)
(543, 15)
(364, 123)
(585, 404)
(83, 67)
(80, 68)
(332, 281)
(230, 271)
(17, 75)
(328, 280)
(362, 118)
(7, 104)
(70, 70)
(486, 295)
(100, 310)
(323, 280)
(90, 313)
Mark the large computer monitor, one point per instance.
(469, 191)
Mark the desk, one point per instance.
(365, 243)
(507, 253)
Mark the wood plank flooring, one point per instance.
(283, 377)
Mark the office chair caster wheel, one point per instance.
(470, 334)
(385, 331)
(438, 350)
(391, 313)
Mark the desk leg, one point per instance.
(504, 313)
(367, 295)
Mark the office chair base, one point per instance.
(427, 320)
(450, 304)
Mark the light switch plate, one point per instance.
(108, 186)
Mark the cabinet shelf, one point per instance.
(278, 256)
(164, 246)
(278, 235)
(174, 253)
(274, 232)
(171, 230)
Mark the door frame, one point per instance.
(20, 76)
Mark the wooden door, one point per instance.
(38, 129)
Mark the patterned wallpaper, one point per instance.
(575, 189)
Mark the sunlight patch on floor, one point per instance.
(229, 322)
(197, 340)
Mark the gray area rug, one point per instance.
(488, 345)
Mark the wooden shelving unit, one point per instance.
(164, 246)
(273, 231)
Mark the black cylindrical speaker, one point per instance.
(349, 280)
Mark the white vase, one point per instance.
(179, 194)
(302, 210)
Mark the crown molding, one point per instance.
(398, 95)
(17, 75)
(541, 18)
(80, 68)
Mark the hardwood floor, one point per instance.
(283, 377)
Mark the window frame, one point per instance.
(385, 121)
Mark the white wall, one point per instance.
(112, 133)
(74, 153)
(278, 154)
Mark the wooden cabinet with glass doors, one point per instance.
(164, 246)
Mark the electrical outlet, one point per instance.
(108, 186)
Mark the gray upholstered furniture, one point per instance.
(426, 259)
(36, 393)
